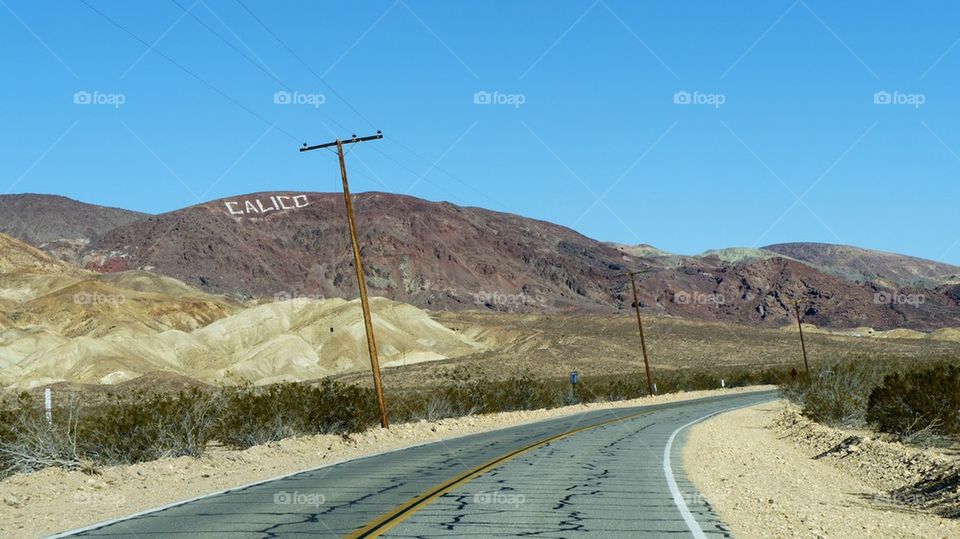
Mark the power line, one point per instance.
(192, 74)
(210, 85)
(304, 63)
(333, 90)
(254, 63)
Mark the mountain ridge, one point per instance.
(437, 255)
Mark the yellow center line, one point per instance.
(391, 518)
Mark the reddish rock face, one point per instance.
(440, 256)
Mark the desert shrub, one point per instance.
(143, 427)
(918, 401)
(836, 394)
(466, 395)
(29, 442)
(252, 416)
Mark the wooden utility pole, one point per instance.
(643, 342)
(803, 346)
(361, 278)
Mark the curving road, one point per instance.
(605, 473)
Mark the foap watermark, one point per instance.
(297, 299)
(899, 298)
(500, 498)
(684, 97)
(505, 300)
(897, 97)
(84, 97)
(497, 98)
(698, 298)
(312, 499)
(900, 498)
(284, 97)
(99, 498)
(96, 298)
(693, 499)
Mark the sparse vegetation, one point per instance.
(896, 396)
(465, 393)
(251, 416)
(918, 404)
(914, 402)
(143, 426)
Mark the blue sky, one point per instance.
(783, 138)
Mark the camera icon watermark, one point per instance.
(897, 97)
(496, 98)
(500, 498)
(84, 97)
(312, 499)
(897, 298)
(684, 97)
(284, 97)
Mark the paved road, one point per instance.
(606, 473)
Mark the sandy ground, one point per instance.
(55, 500)
(759, 473)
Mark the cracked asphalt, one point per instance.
(607, 481)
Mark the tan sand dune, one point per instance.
(283, 341)
(22, 258)
(946, 334)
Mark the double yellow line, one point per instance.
(388, 520)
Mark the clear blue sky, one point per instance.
(798, 150)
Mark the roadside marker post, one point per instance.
(48, 404)
(361, 278)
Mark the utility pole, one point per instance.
(361, 278)
(643, 342)
(803, 346)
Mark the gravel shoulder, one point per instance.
(768, 472)
(54, 500)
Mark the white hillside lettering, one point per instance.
(262, 206)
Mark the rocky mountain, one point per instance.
(434, 255)
(860, 264)
(282, 245)
(441, 256)
(56, 224)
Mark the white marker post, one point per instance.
(48, 404)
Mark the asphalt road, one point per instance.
(605, 473)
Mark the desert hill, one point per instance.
(57, 224)
(285, 341)
(62, 323)
(860, 264)
(435, 255)
(444, 257)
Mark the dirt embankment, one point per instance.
(768, 472)
(55, 500)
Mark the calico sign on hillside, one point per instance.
(261, 206)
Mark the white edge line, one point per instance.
(678, 500)
(104, 523)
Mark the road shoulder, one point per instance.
(763, 483)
